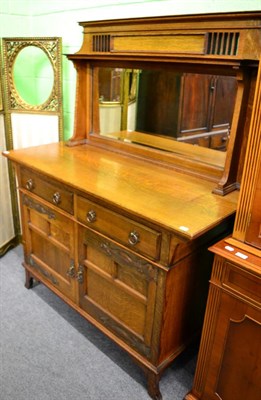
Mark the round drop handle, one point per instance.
(134, 238)
(56, 198)
(29, 184)
(91, 216)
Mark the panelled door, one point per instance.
(49, 244)
(118, 289)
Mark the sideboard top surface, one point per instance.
(177, 202)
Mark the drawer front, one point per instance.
(130, 233)
(245, 283)
(47, 189)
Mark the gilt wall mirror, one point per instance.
(33, 89)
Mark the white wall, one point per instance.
(61, 17)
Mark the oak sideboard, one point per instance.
(118, 220)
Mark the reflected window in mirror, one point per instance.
(117, 99)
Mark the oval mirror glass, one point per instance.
(33, 75)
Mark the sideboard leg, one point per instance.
(153, 385)
(29, 280)
(190, 396)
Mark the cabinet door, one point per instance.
(49, 250)
(158, 102)
(207, 106)
(234, 369)
(118, 289)
(224, 90)
(196, 101)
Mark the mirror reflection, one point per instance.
(33, 75)
(182, 107)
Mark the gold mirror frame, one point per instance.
(52, 49)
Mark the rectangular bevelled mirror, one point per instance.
(189, 114)
(185, 107)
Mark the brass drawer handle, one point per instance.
(56, 198)
(134, 238)
(29, 184)
(91, 216)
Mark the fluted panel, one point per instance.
(251, 168)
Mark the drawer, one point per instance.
(244, 283)
(47, 189)
(130, 233)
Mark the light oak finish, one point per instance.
(228, 365)
(121, 231)
(147, 295)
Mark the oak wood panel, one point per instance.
(242, 283)
(49, 244)
(167, 43)
(186, 25)
(242, 344)
(183, 316)
(118, 289)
